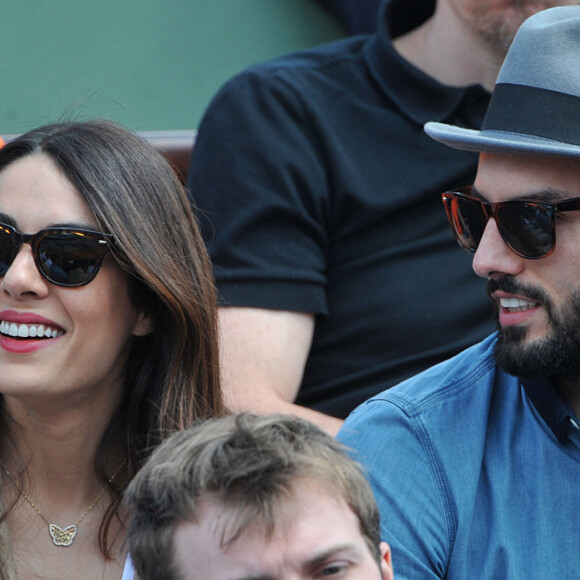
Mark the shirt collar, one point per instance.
(548, 402)
(416, 94)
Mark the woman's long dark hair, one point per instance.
(172, 375)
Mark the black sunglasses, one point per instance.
(526, 226)
(63, 256)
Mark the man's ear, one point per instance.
(386, 564)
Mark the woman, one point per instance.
(107, 340)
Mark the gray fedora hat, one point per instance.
(535, 106)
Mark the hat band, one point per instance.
(534, 111)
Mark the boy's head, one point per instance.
(254, 497)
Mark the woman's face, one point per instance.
(83, 359)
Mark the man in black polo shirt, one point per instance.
(319, 200)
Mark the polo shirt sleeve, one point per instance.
(259, 189)
(417, 519)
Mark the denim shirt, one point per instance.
(476, 474)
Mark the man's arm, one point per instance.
(263, 354)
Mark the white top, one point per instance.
(128, 571)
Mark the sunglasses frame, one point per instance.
(490, 210)
(100, 240)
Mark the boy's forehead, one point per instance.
(282, 512)
(228, 520)
(311, 528)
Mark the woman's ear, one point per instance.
(143, 325)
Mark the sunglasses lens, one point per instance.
(527, 229)
(7, 249)
(468, 222)
(70, 258)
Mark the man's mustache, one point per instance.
(510, 285)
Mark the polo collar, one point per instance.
(548, 402)
(417, 95)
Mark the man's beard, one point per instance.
(557, 354)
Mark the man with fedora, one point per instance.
(475, 462)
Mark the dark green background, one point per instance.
(148, 64)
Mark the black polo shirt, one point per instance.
(318, 191)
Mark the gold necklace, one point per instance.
(63, 536)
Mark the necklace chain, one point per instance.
(63, 536)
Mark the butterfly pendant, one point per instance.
(62, 537)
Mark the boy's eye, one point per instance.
(332, 570)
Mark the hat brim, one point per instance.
(498, 141)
